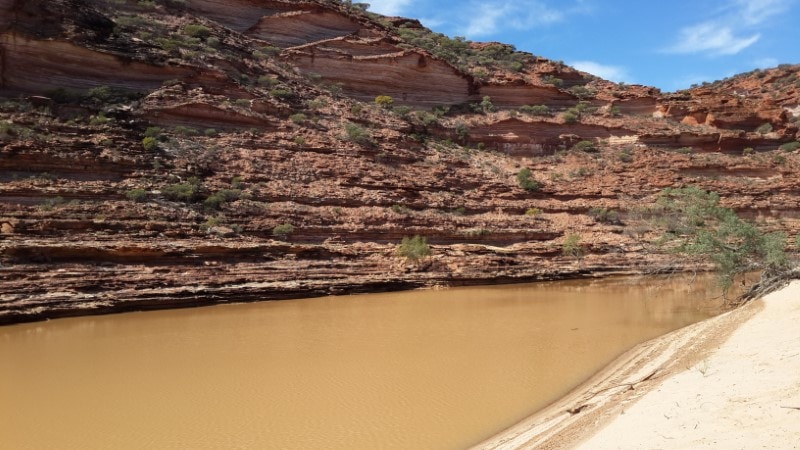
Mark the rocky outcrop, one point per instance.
(517, 137)
(410, 78)
(301, 27)
(238, 15)
(36, 66)
(511, 96)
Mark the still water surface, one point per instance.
(413, 370)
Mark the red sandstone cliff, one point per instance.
(149, 149)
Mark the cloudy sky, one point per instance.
(670, 44)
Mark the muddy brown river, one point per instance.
(438, 369)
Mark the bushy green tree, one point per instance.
(696, 224)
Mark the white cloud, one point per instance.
(755, 12)
(717, 36)
(484, 18)
(608, 72)
(711, 38)
(389, 7)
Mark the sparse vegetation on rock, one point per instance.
(159, 107)
(413, 248)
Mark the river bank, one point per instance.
(82, 279)
(728, 382)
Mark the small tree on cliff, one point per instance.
(572, 247)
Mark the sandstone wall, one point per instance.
(42, 65)
(409, 78)
(301, 27)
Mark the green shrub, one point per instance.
(580, 172)
(317, 103)
(584, 107)
(748, 151)
(102, 94)
(604, 215)
(149, 143)
(51, 203)
(185, 131)
(400, 209)
(582, 92)
(462, 130)
(357, 134)
(282, 93)
(427, 119)
(572, 247)
(535, 110)
(210, 132)
(188, 191)
(266, 52)
(197, 31)
(267, 81)
(764, 128)
(535, 212)
(298, 118)
(570, 116)
(99, 119)
(413, 248)
(153, 132)
(486, 105)
(552, 80)
(526, 181)
(402, 111)
(219, 198)
(384, 101)
(283, 231)
(790, 146)
(137, 195)
(585, 146)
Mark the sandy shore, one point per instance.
(731, 382)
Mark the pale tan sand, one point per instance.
(745, 395)
(730, 382)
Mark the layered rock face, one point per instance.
(184, 153)
(411, 78)
(301, 27)
(37, 66)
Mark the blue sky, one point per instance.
(667, 44)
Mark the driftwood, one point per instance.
(770, 282)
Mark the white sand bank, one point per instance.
(731, 382)
(744, 395)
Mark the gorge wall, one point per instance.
(183, 153)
